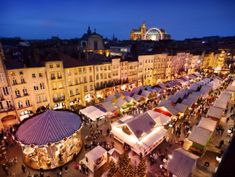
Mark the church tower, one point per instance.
(143, 30)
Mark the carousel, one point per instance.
(50, 139)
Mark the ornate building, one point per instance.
(154, 34)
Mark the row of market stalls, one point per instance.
(121, 102)
(201, 134)
(142, 133)
(186, 98)
(182, 162)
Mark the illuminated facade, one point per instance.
(214, 61)
(57, 85)
(154, 34)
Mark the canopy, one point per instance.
(182, 163)
(222, 100)
(200, 135)
(92, 112)
(120, 102)
(215, 112)
(208, 124)
(48, 127)
(108, 106)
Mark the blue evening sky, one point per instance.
(34, 19)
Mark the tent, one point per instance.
(215, 112)
(181, 107)
(200, 135)
(108, 106)
(120, 102)
(159, 118)
(208, 124)
(95, 158)
(140, 133)
(182, 163)
(93, 113)
(222, 100)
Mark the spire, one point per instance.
(89, 30)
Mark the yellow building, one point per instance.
(56, 84)
(29, 90)
(7, 110)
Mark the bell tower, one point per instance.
(143, 30)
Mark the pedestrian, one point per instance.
(66, 169)
(23, 168)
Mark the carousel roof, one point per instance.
(48, 127)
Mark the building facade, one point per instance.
(24, 91)
(143, 33)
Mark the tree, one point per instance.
(141, 168)
(112, 169)
(124, 166)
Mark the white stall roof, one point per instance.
(200, 135)
(208, 124)
(182, 163)
(215, 112)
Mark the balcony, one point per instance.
(7, 109)
(58, 99)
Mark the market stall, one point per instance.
(93, 113)
(50, 139)
(141, 133)
(182, 163)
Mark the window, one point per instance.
(1, 106)
(90, 78)
(14, 81)
(25, 92)
(42, 86)
(76, 81)
(84, 70)
(51, 66)
(80, 70)
(101, 76)
(33, 75)
(21, 72)
(57, 65)
(97, 76)
(60, 85)
(27, 103)
(54, 86)
(38, 99)
(85, 80)
(90, 69)
(9, 105)
(52, 76)
(91, 87)
(17, 92)
(40, 75)
(20, 104)
(59, 75)
(85, 88)
(35, 87)
(77, 91)
(71, 92)
(5, 91)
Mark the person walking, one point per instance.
(23, 168)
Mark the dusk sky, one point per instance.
(70, 18)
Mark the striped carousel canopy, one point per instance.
(48, 127)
